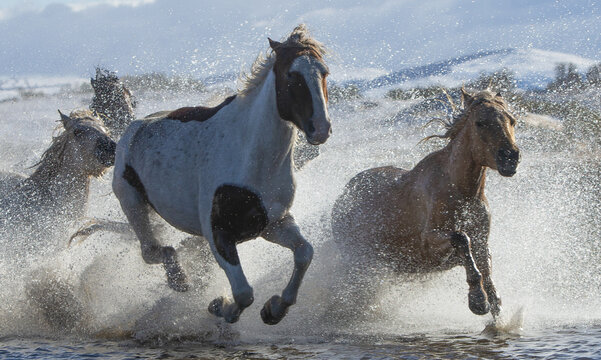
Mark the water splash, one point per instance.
(545, 230)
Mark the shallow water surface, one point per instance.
(579, 342)
(544, 243)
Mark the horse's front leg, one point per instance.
(237, 215)
(286, 233)
(441, 245)
(226, 254)
(477, 297)
(483, 261)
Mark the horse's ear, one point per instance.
(466, 98)
(67, 121)
(274, 44)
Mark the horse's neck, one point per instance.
(60, 187)
(465, 174)
(268, 136)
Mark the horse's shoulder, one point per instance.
(197, 113)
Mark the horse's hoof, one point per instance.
(216, 306)
(176, 278)
(274, 310)
(221, 307)
(478, 301)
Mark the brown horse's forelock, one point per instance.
(456, 124)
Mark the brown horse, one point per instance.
(435, 217)
(56, 194)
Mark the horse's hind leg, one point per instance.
(132, 196)
(477, 299)
(286, 233)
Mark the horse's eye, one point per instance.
(480, 124)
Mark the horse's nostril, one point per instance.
(508, 154)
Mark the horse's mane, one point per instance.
(298, 38)
(52, 158)
(459, 116)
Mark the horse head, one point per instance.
(85, 145)
(301, 87)
(112, 99)
(492, 130)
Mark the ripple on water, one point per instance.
(568, 342)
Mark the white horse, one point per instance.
(226, 173)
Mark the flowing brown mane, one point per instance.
(457, 122)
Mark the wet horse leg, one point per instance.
(286, 233)
(136, 209)
(483, 262)
(477, 299)
(237, 214)
(479, 229)
(224, 250)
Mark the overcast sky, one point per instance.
(70, 37)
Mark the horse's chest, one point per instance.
(471, 215)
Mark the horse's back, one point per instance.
(165, 160)
(377, 218)
(361, 211)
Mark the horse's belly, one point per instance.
(177, 203)
(189, 224)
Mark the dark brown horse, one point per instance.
(113, 101)
(435, 217)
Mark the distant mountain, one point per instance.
(433, 69)
(533, 68)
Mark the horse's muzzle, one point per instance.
(318, 132)
(507, 161)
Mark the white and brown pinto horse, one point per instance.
(226, 174)
(435, 217)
